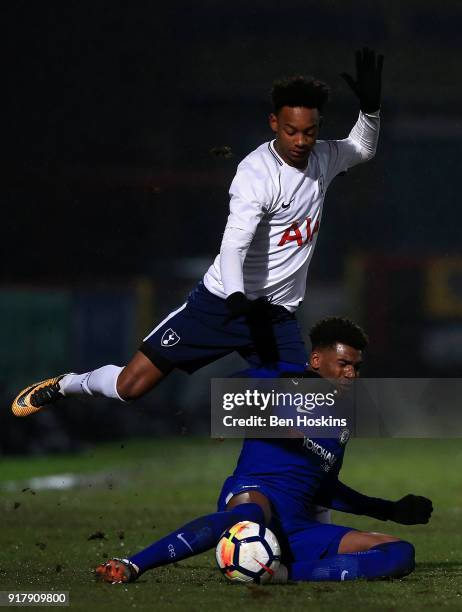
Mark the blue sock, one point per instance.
(195, 537)
(391, 559)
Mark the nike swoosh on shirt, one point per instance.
(284, 206)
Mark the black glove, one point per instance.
(368, 82)
(258, 316)
(238, 305)
(411, 510)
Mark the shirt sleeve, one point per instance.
(248, 204)
(360, 146)
(336, 495)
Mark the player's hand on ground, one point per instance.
(412, 510)
(368, 83)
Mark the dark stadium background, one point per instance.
(116, 121)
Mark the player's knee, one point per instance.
(137, 378)
(251, 503)
(374, 539)
(401, 557)
(130, 387)
(409, 552)
(360, 541)
(406, 563)
(249, 512)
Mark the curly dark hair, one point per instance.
(331, 330)
(299, 91)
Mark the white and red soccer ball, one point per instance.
(248, 552)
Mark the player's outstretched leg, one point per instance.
(193, 538)
(137, 378)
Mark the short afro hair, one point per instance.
(328, 332)
(299, 91)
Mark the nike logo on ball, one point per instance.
(265, 567)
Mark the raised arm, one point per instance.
(361, 143)
(368, 83)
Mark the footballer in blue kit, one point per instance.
(277, 481)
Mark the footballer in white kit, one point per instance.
(247, 299)
(275, 216)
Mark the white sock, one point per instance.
(102, 381)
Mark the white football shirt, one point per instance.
(275, 215)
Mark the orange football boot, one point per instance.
(34, 397)
(117, 571)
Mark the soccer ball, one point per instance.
(248, 552)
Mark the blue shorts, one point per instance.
(196, 334)
(301, 538)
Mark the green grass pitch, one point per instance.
(136, 492)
